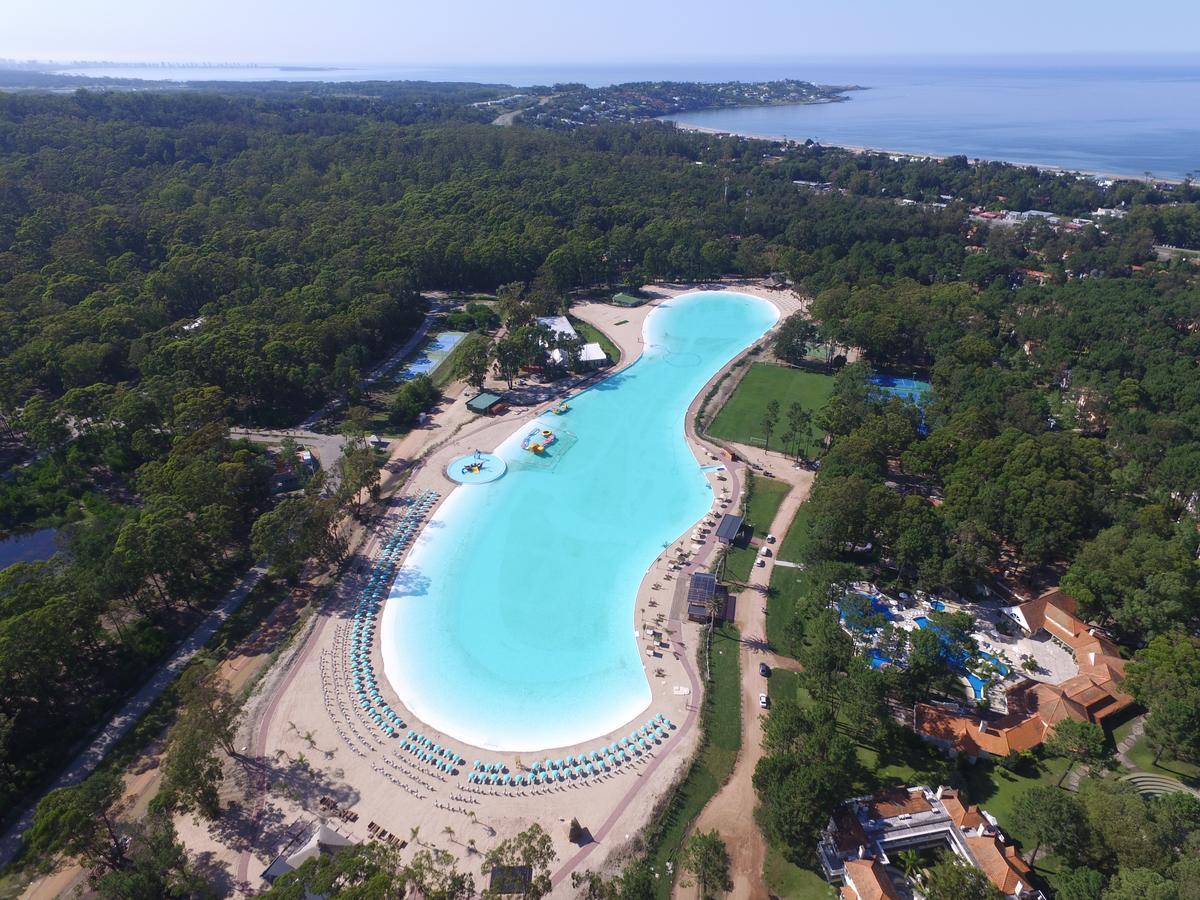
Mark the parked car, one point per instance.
(764, 701)
(764, 670)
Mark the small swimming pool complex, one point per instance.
(432, 354)
(511, 625)
(977, 684)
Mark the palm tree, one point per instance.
(449, 833)
(716, 607)
(413, 832)
(910, 863)
(722, 554)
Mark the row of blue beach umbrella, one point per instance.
(366, 612)
(585, 765)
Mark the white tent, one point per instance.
(323, 840)
(559, 326)
(592, 353)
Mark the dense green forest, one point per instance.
(170, 263)
(1059, 445)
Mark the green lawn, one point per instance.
(792, 546)
(788, 881)
(788, 584)
(444, 373)
(1142, 756)
(591, 334)
(741, 418)
(766, 494)
(722, 739)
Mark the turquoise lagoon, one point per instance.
(511, 625)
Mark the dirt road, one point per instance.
(731, 811)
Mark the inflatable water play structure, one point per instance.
(476, 468)
(561, 408)
(538, 440)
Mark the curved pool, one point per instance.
(511, 624)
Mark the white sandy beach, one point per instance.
(314, 747)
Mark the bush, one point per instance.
(413, 398)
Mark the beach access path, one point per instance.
(731, 811)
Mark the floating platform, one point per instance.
(476, 468)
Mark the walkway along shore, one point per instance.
(614, 809)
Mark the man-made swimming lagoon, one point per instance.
(511, 625)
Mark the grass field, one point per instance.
(740, 419)
(787, 586)
(766, 494)
(591, 334)
(1142, 756)
(722, 718)
(791, 547)
(444, 373)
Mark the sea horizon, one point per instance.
(1118, 115)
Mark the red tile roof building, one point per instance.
(864, 832)
(1034, 708)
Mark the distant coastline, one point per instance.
(910, 154)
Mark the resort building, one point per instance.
(728, 529)
(1092, 694)
(487, 404)
(627, 300)
(865, 833)
(559, 327)
(704, 595)
(592, 356)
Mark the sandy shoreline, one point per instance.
(311, 745)
(535, 738)
(919, 154)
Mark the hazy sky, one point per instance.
(555, 31)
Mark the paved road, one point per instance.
(327, 448)
(120, 724)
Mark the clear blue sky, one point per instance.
(526, 32)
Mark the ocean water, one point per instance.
(511, 625)
(1116, 114)
(1122, 120)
